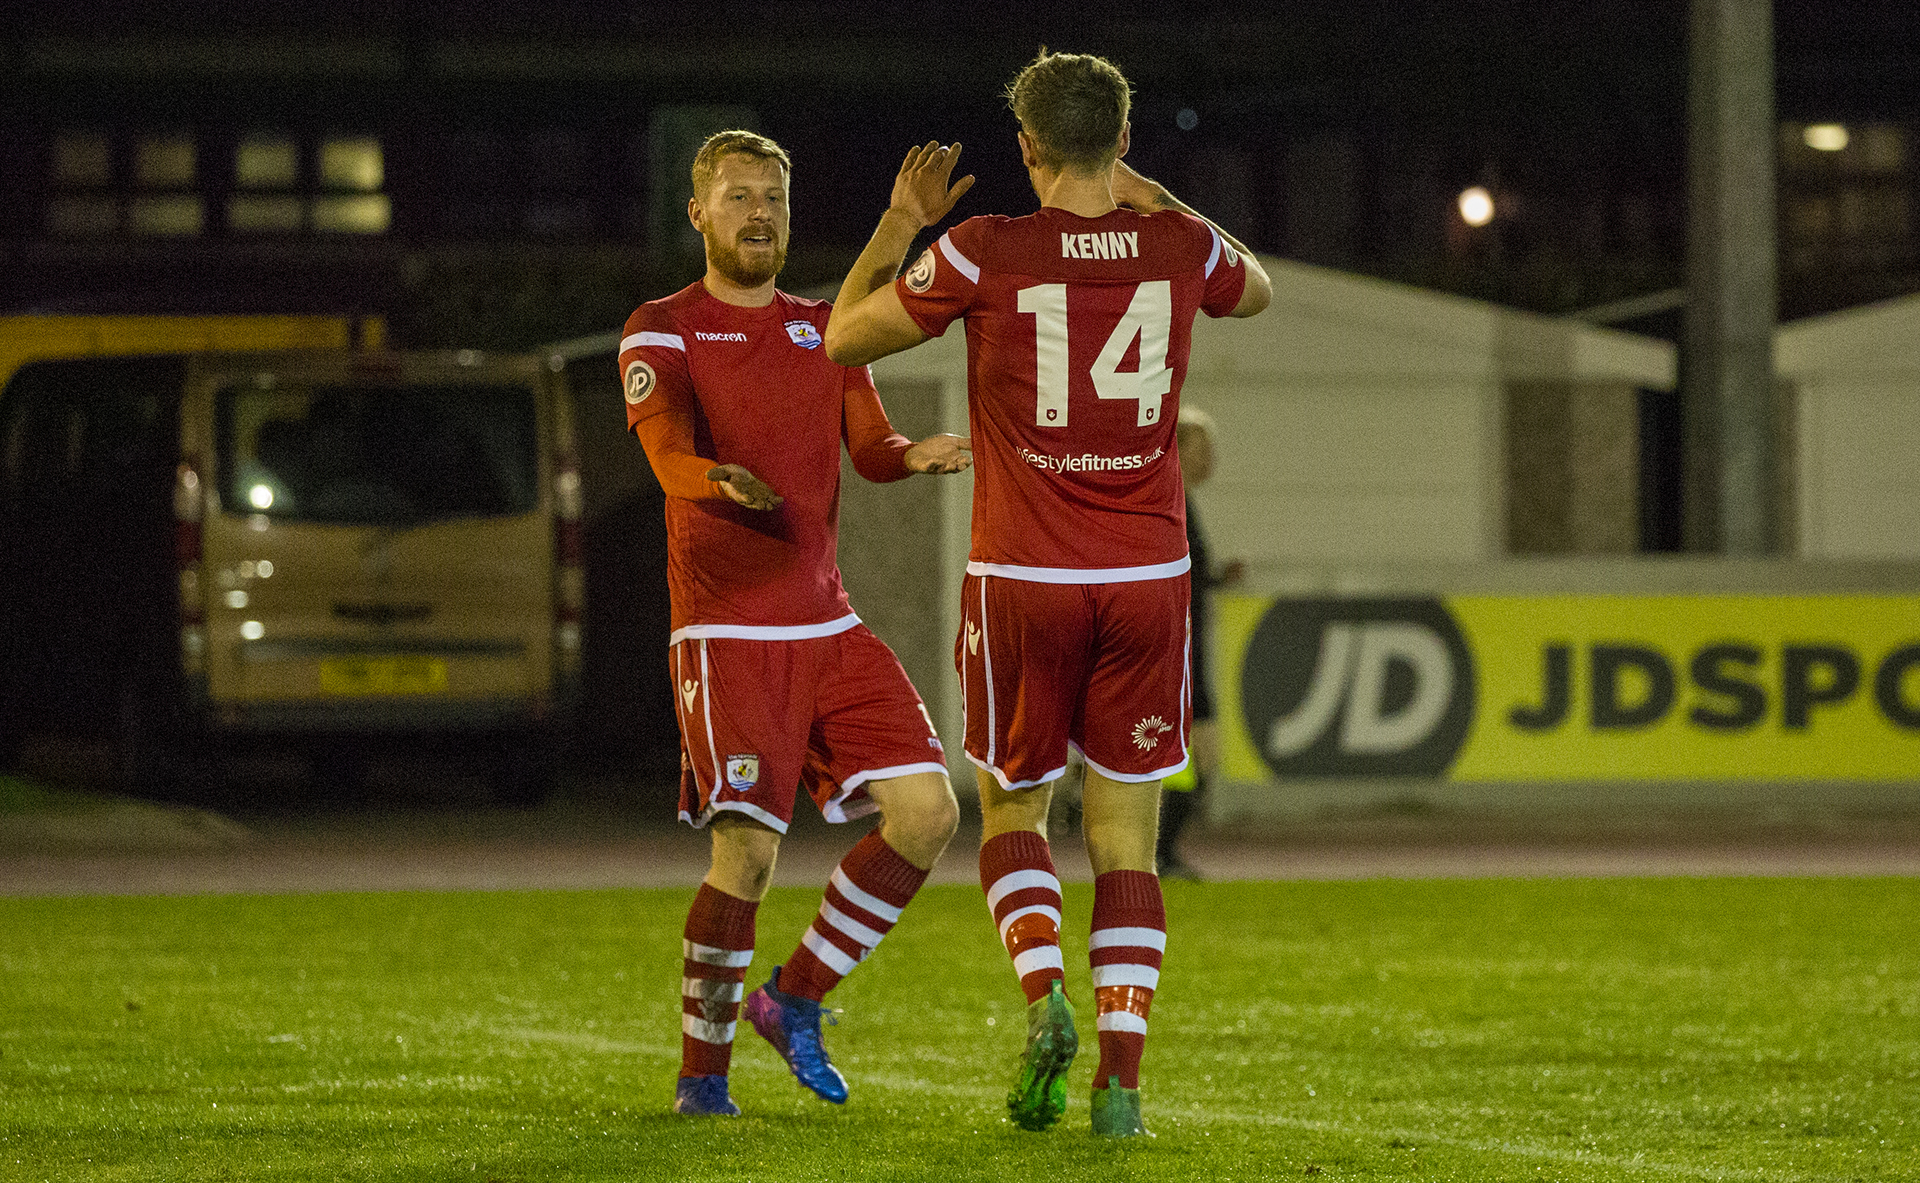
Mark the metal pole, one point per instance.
(1726, 379)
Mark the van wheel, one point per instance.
(523, 772)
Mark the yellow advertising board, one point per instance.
(1602, 687)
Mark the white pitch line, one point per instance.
(989, 1094)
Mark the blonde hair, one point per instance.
(1074, 106)
(727, 143)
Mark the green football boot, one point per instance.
(1039, 1097)
(1116, 1112)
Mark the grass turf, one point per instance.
(1472, 1030)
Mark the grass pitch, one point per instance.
(1471, 1030)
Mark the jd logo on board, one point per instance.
(1338, 687)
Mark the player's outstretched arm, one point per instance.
(868, 322)
(1133, 190)
(941, 453)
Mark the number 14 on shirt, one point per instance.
(1149, 317)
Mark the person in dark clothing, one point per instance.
(1186, 789)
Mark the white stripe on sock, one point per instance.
(862, 900)
(1046, 909)
(1044, 957)
(711, 989)
(831, 954)
(708, 955)
(705, 1032)
(1121, 1020)
(1014, 881)
(1144, 938)
(1126, 975)
(867, 937)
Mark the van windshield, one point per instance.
(377, 454)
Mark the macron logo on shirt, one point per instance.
(1108, 244)
(699, 336)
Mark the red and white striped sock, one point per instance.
(1016, 871)
(865, 896)
(717, 947)
(1129, 935)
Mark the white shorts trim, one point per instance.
(753, 811)
(1121, 1020)
(1179, 566)
(1134, 778)
(843, 806)
(765, 632)
(870, 774)
(1010, 785)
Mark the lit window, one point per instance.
(1826, 137)
(267, 162)
(252, 630)
(365, 214)
(170, 217)
(259, 213)
(352, 164)
(164, 162)
(82, 158)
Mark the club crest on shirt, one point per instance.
(804, 334)
(1147, 732)
(639, 381)
(743, 772)
(921, 277)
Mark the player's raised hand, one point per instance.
(922, 188)
(744, 487)
(1135, 191)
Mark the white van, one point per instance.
(332, 551)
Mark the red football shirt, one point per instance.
(1078, 331)
(754, 386)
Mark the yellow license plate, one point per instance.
(383, 675)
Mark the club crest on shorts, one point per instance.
(688, 689)
(804, 334)
(973, 638)
(743, 772)
(1147, 732)
(920, 278)
(639, 381)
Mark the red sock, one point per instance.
(717, 948)
(864, 898)
(1129, 934)
(1016, 871)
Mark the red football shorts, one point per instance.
(1098, 666)
(758, 718)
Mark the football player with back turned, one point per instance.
(1079, 319)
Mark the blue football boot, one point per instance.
(704, 1096)
(792, 1026)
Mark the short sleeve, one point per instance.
(653, 365)
(1226, 275)
(940, 286)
